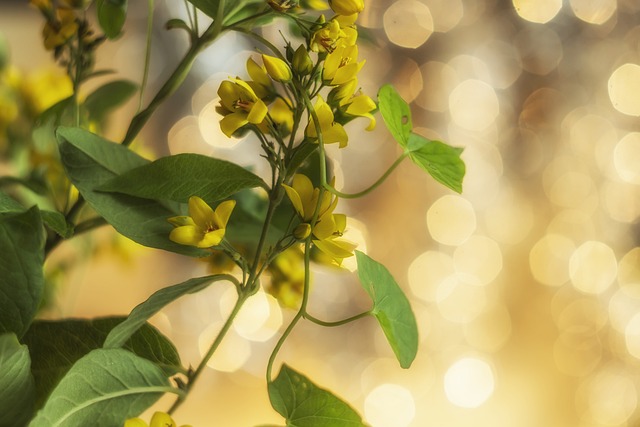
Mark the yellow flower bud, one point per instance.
(277, 68)
(346, 7)
(302, 63)
(302, 231)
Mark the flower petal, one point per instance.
(181, 220)
(232, 122)
(201, 212)
(186, 235)
(212, 238)
(258, 112)
(161, 419)
(223, 212)
(295, 199)
(336, 248)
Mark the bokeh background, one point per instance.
(526, 286)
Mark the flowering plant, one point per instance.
(297, 98)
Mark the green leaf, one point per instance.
(103, 389)
(57, 222)
(111, 16)
(56, 345)
(90, 161)
(181, 176)
(391, 307)
(108, 97)
(16, 383)
(396, 114)
(139, 315)
(8, 204)
(210, 7)
(21, 278)
(440, 160)
(304, 404)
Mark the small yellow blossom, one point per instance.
(348, 27)
(239, 105)
(287, 277)
(159, 419)
(315, 4)
(277, 68)
(341, 65)
(362, 106)
(346, 7)
(329, 227)
(326, 38)
(332, 132)
(204, 227)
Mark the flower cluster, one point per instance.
(326, 232)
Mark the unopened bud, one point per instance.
(277, 68)
(302, 231)
(302, 63)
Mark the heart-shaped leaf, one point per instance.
(304, 404)
(391, 307)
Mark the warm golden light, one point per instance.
(469, 382)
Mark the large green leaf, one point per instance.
(21, 278)
(111, 16)
(181, 176)
(16, 383)
(90, 161)
(56, 345)
(304, 404)
(139, 315)
(103, 389)
(391, 307)
(440, 160)
(108, 97)
(396, 114)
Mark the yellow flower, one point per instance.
(57, 33)
(287, 277)
(204, 227)
(159, 419)
(362, 106)
(277, 68)
(348, 27)
(239, 105)
(346, 7)
(329, 227)
(341, 65)
(326, 38)
(335, 246)
(332, 132)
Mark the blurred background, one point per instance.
(526, 286)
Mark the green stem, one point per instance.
(147, 56)
(366, 191)
(337, 322)
(297, 317)
(242, 297)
